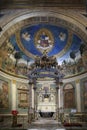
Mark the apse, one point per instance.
(36, 40)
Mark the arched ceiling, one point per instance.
(57, 41)
(63, 37)
(51, 33)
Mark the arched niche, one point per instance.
(69, 96)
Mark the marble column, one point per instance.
(32, 96)
(78, 95)
(30, 103)
(35, 102)
(14, 94)
(57, 102)
(14, 107)
(59, 105)
(61, 97)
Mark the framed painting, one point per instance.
(4, 94)
(69, 96)
(23, 98)
(85, 94)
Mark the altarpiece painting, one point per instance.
(4, 94)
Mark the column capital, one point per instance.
(14, 81)
(57, 87)
(77, 81)
(34, 87)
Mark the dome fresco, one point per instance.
(59, 35)
(53, 40)
(56, 39)
(75, 45)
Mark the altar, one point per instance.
(46, 114)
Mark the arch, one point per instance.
(60, 17)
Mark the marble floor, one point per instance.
(46, 124)
(40, 124)
(51, 124)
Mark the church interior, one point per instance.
(43, 64)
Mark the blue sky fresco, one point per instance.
(76, 42)
(55, 30)
(59, 34)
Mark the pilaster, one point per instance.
(14, 95)
(78, 95)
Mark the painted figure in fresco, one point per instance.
(4, 95)
(62, 36)
(44, 40)
(26, 36)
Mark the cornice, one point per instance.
(21, 79)
(13, 77)
(75, 77)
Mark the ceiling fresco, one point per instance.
(75, 45)
(41, 38)
(61, 46)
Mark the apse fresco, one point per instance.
(38, 38)
(75, 48)
(19, 52)
(13, 42)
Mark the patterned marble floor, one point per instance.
(40, 124)
(46, 124)
(48, 129)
